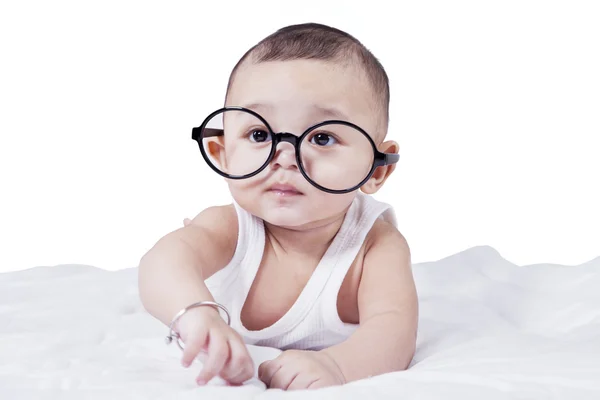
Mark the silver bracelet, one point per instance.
(175, 335)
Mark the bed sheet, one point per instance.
(488, 329)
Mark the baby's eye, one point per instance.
(323, 139)
(259, 136)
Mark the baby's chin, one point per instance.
(294, 216)
(299, 218)
(284, 217)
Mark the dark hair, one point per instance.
(321, 42)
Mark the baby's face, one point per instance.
(292, 96)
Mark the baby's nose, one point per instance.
(285, 156)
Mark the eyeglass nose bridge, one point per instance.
(286, 137)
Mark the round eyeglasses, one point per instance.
(334, 156)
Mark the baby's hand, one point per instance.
(298, 369)
(203, 329)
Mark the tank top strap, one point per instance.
(235, 279)
(251, 239)
(360, 220)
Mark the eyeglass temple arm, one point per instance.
(391, 158)
(208, 132)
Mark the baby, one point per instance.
(304, 259)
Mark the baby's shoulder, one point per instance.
(221, 224)
(219, 219)
(218, 239)
(383, 236)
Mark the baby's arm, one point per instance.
(171, 277)
(388, 309)
(171, 274)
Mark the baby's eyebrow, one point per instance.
(257, 107)
(331, 112)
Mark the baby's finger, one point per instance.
(218, 355)
(317, 384)
(187, 221)
(283, 377)
(302, 381)
(267, 370)
(240, 367)
(194, 346)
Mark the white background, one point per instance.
(496, 106)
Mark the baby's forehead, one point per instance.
(309, 89)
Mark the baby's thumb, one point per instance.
(187, 221)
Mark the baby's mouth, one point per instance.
(284, 190)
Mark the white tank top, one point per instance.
(312, 323)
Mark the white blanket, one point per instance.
(488, 330)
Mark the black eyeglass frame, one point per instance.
(379, 160)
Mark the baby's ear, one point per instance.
(381, 173)
(215, 147)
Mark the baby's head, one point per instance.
(292, 80)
